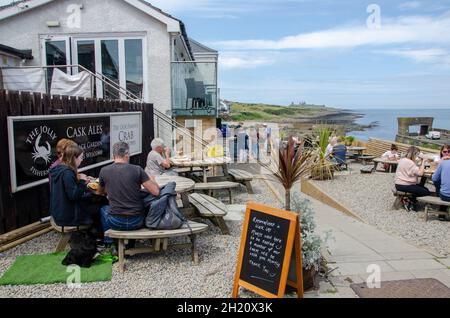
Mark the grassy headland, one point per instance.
(275, 113)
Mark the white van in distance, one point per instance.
(433, 135)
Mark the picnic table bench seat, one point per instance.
(159, 238)
(366, 159)
(367, 170)
(187, 170)
(434, 201)
(210, 187)
(66, 234)
(212, 209)
(243, 177)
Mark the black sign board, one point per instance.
(267, 244)
(33, 139)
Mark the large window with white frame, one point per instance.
(120, 60)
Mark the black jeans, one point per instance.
(416, 190)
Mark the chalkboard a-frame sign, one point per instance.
(269, 238)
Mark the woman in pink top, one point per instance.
(408, 173)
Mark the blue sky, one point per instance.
(323, 51)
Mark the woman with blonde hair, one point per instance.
(69, 196)
(408, 173)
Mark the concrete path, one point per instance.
(358, 245)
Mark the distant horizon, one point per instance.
(346, 108)
(339, 53)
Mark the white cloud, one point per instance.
(434, 55)
(410, 5)
(231, 61)
(403, 30)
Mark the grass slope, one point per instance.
(264, 112)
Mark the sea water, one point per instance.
(387, 121)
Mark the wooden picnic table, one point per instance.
(392, 164)
(358, 150)
(184, 186)
(204, 165)
(427, 175)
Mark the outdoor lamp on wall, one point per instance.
(53, 24)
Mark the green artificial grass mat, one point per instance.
(47, 269)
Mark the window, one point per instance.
(86, 54)
(110, 66)
(134, 67)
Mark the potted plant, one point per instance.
(292, 164)
(312, 244)
(322, 168)
(349, 140)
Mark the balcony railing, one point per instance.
(194, 89)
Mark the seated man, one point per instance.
(158, 160)
(441, 178)
(122, 182)
(339, 153)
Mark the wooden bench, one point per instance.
(159, 238)
(364, 159)
(212, 209)
(367, 170)
(242, 177)
(210, 187)
(66, 234)
(434, 201)
(187, 171)
(377, 147)
(398, 198)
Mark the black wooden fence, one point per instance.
(29, 206)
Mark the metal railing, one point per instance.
(127, 95)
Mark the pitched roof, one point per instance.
(12, 4)
(197, 47)
(182, 26)
(23, 54)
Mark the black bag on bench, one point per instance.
(163, 212)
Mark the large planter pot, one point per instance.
(310, 276)
(322, 172)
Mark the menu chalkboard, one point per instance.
(267, 244)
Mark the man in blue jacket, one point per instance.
(441, 179)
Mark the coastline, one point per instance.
(342, 120)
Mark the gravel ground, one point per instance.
(168, 274)
(370, 196)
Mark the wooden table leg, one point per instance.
(231, 196)
(121, 255)
(195, 257)
(205, 176)
(63, 241)
(225, 171)
(185, 199)
(222, 225)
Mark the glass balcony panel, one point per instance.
(194, 89)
